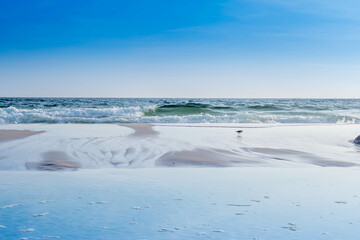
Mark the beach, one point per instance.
(103, 168)
(177, 181)
(180, 120)
(92, 146)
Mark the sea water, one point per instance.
(163, 204)
(178, 110)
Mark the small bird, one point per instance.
(239, 131)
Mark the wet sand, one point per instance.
(54, 161)
(72, 146)
(202, 158)
(9, 135)
(190, 183)
(281, 154)
(141, 129)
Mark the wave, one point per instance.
(154, 114)
(74, 115)
(102, 110)
(181, 110)
(265, 107)
(186, 105)
(190, 108)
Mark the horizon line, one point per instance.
(325, 98)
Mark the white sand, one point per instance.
(71, 146)
(275, 182)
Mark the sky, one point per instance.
(187, 48)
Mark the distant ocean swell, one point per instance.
(91, 110)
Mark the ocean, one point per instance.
(178, 110)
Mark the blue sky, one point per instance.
(202, 48)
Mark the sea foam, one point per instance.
(88, 110)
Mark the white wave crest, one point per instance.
(95, 115)
(137, 114)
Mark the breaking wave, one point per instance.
(89, 110)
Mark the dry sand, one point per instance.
(137, 145)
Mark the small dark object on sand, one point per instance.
(357, 140)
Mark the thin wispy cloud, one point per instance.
(346, 9)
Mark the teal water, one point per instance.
(149, 110)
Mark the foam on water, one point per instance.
(96, 110)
